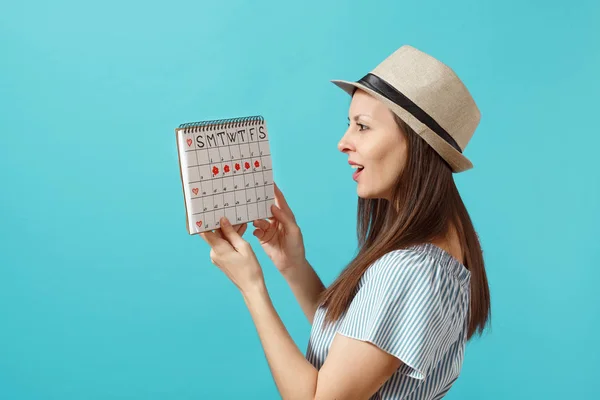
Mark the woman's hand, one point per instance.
(234, 256)
(280, 235)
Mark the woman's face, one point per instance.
(374, 141)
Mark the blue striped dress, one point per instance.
(414, 304)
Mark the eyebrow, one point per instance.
(358, 116)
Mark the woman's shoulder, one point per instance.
(420, 260)
(415, 256)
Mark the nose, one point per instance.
(345, 144)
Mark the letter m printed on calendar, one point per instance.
(226, 171)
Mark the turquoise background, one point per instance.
(104, 295)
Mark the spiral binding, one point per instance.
(201, 126)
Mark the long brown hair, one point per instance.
(425, 203)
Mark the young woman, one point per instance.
(395, 323)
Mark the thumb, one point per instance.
(282, 216)
(230, 234)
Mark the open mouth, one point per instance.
(357, 171)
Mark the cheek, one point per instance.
(390, 166)
(385, 155)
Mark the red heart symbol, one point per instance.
(256, 164)
(189, 142)
(247, 165)
(215, 170)
(195, 190)
(199, 224)
(226, 168)
(237, 166)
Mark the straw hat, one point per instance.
(427, 95)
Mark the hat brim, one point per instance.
(457, 161)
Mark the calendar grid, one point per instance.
(255, 202)
(223, 158)
(198, 166)
(228, 172)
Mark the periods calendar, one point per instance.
(225, 171)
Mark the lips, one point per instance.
(357, 173)
(358, 169)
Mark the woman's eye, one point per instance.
(362, 127)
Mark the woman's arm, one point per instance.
(306, 286)
(354, 369)
(341, 376)
(294, 375)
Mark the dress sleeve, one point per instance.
(400, 309)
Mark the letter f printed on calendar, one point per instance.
(226, 171)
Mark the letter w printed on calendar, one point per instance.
(225, 171)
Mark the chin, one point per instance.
(368, 194)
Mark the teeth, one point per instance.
(356, 166)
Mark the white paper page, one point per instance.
(226, 172)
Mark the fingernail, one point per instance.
(224, 221)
